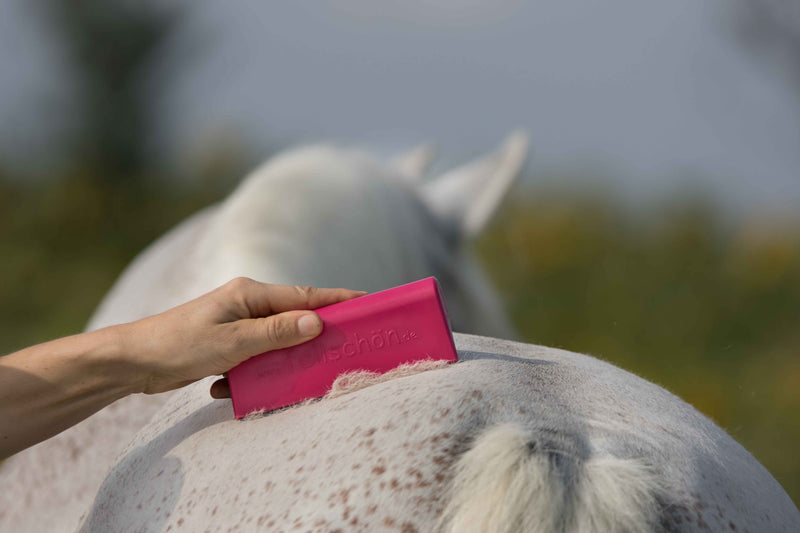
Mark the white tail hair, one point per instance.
(512, 481)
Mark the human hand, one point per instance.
(215, 332)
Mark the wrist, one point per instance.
(115, 353)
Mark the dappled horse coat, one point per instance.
(514, 437)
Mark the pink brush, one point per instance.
(375, 332)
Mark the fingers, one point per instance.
(263, 299)
(287, 297)
(220, 389)
(287, 329)
(258, 335)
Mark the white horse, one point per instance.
(319, 216)
(513, 438)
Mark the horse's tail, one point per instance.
(513, 480)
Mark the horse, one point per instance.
(513, 438)
(316, 215)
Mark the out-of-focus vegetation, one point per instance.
(64, 239)
(705, 307)
(63, 243)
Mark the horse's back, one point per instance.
(512, 438)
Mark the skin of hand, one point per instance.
(49, 387)
(212, 334)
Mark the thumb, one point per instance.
(285, 329)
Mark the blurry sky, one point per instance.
(646, 93)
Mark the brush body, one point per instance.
(376, 332)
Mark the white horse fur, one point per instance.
(513, 438)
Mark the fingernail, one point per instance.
(309, 325)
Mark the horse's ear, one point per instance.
(415, 163)
(469, 195)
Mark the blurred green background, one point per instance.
(678, 291)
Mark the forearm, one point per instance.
(49, 387)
